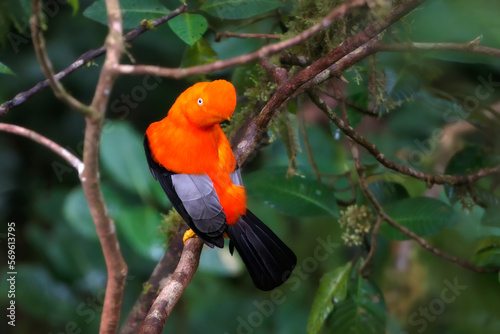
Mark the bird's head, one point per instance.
(207, 103)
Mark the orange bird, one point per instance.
(189, 154)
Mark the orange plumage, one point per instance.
(196, 143)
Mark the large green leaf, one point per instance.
(140, 227)
(296, 196)
(332, 290)
(133, 12)
(362, 312)
(5, 70)
(77, 213)
(122, 155)
(239, 9)
(487, 252)
(189, 27)
(422, 215)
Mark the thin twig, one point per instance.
(243, 59)
(84, 59)
(364, 269)
(279, 73)
(220, 34)
(56, 148)
(310, 156)
(373, 150)
(46, 65)
(469, 47)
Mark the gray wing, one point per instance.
(236, 177)
(201, 202)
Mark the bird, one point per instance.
(190, 156)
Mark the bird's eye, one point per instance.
(200, 101)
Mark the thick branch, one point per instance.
(162, 271)
(173, 289)
(85, 59)
(56, 148)
(106, 230)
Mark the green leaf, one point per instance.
(189, 27)
(387, 192)
(301, 196)
(422, 215)
(239, 9)
(75, 4)
(468, 160)
(487, 252)
(5, 70)
(332, 290)
(133, 12)
(198, 54)
(122, 155)
(77, 213)
(362, 312)
(140, 227)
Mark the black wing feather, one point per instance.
(164, 176)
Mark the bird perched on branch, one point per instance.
(189, 154)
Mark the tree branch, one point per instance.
(56, 148)
(162, 271)
(46, 65)
(351, 51)
(173, 289)
(469, 47)
(220, 34)
(373, 150)
(106, 230)
(421, 241)
(85, 58)
(265, 51)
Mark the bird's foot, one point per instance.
(188, 234)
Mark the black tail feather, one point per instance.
(268, 260)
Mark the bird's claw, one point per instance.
(188, 234)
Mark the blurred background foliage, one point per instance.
(434, 116)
